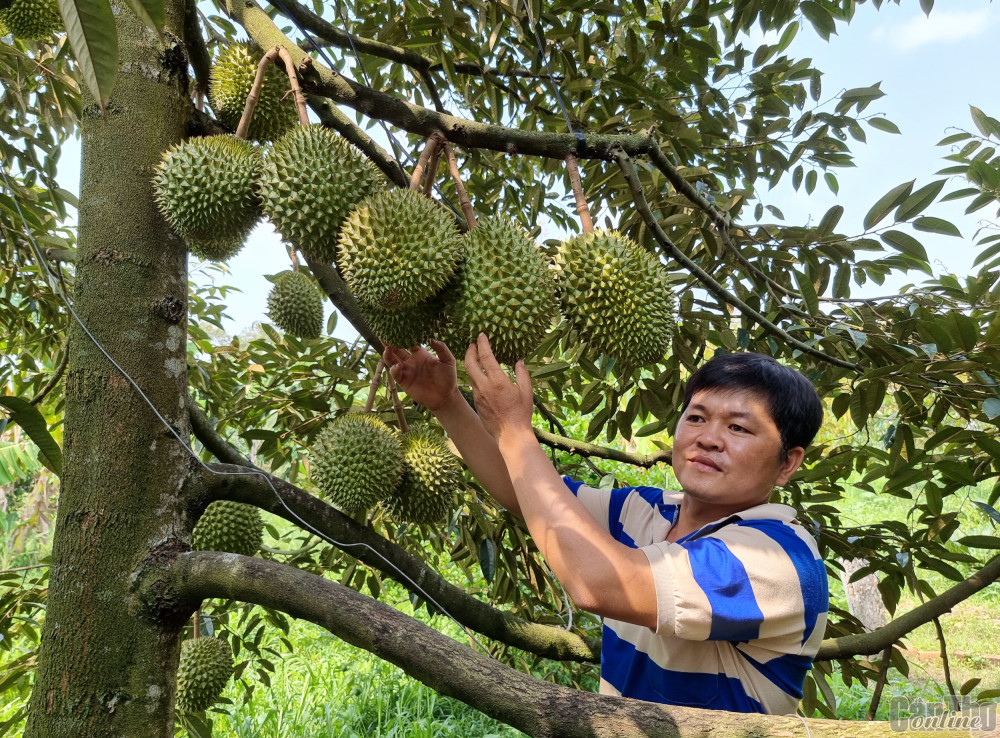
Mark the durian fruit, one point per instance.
(31, 20)
(617, 296)
(4, 31)
(229, 526)
(229, 84)
(205, 667)
(411, 327)
(398, 249)
(295, 305)
(431, 478)
(206, 189)
(506, 290)
(312, 178)
(357, 460)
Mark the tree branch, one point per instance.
(197, 51)
(423, 121)
(342, 299)
(374, 550)
(583, 448)
(218, 446)
(536, 707)
(704, 277)
(865, 644)
(54, 379)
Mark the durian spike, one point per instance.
(418, 171)
(582, 209)
(373, 387)
(300, 101)
(463, 196)
(397, 405)
(432, 168)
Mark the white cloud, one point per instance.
(941, 27)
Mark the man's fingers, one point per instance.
(394, 355)
(472, 365)
(523, 378)
(443, 352)
(487, 360)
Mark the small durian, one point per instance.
(431, 477)
(31, 20)
(229, 526)
(206, 188)
(617, 296)
(506, 290)
(229, 84)
(411, 327)
(295, 304)
(204, 669)
(398, 249)
(311, 180)
(357, 460)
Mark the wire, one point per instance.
(53, 283)
(548, 68)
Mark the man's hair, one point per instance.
(791, 398)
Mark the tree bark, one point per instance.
(536, 707)
(106, 669)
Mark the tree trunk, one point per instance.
(106, 669)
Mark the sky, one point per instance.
(931, 69)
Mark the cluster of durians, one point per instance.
(358, 462)
(31, 20)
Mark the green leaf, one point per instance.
(987, 126)
(883, 125)
(919, 200)
(988, 510)
(905, 243)
(820, 18)
(31, 421)
(808, 291)
(992, 408)
(936, 225)
(926, 6)
(90, 26)
(887, 203)
(830, 220)
(149, 12)
(980, 541)
(488, 559)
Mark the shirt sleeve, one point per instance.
(746, 581)
(597, 502)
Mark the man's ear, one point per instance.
(793, 460)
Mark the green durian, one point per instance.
(617, 296)
(413, 326)
(506, 290)
(398, 249)
(31, 20)
(229, 84)
(431, 477)
(312, 178)
(295, 304)
(229, 526)
(204, 669)
(206, 189)
(357, 460)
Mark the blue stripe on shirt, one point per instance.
(635, 675)
(723, 579)
(787, 672)
(811, 570)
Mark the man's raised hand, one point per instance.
(428, 379)
(502, 405)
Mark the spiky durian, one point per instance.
(312, 178)
(617, 296)
(4, 31)
(31, 20)
(230, 82)
(204, 669)
(356, 461)
(431, 478)
(228, 526)
(506, 290)
(295, 304)
(206, 189)
(398, 249)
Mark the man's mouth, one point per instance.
(704, 463)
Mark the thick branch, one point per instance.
(218, 446)
(342, 299)
(536, 707)
(374, 550)
(628, 171)
(197, 51)
(601, 452)
(423, 121)
(881, 638)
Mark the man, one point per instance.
(711, 597)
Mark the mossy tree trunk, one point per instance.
(106, 668)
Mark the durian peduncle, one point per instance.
(373, 387)
(463, 196)
(582, 209)
(432, 168)
(430, 147)
(300, 101)
(396, 404)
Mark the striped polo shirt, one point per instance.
(741, 605)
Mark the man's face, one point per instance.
(727, 451)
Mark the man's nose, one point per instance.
(710, 437)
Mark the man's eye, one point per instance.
(738, 428)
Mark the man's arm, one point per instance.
(602, 575)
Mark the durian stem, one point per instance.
(463, 196)
(293, 82)
(432, 168)
(582, 208)
(396, 404)
(295, 258)
(244, 126)
(373, 387)
(418, 171)
(197, 624)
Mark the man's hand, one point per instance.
(503, 406)
(430, 380)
